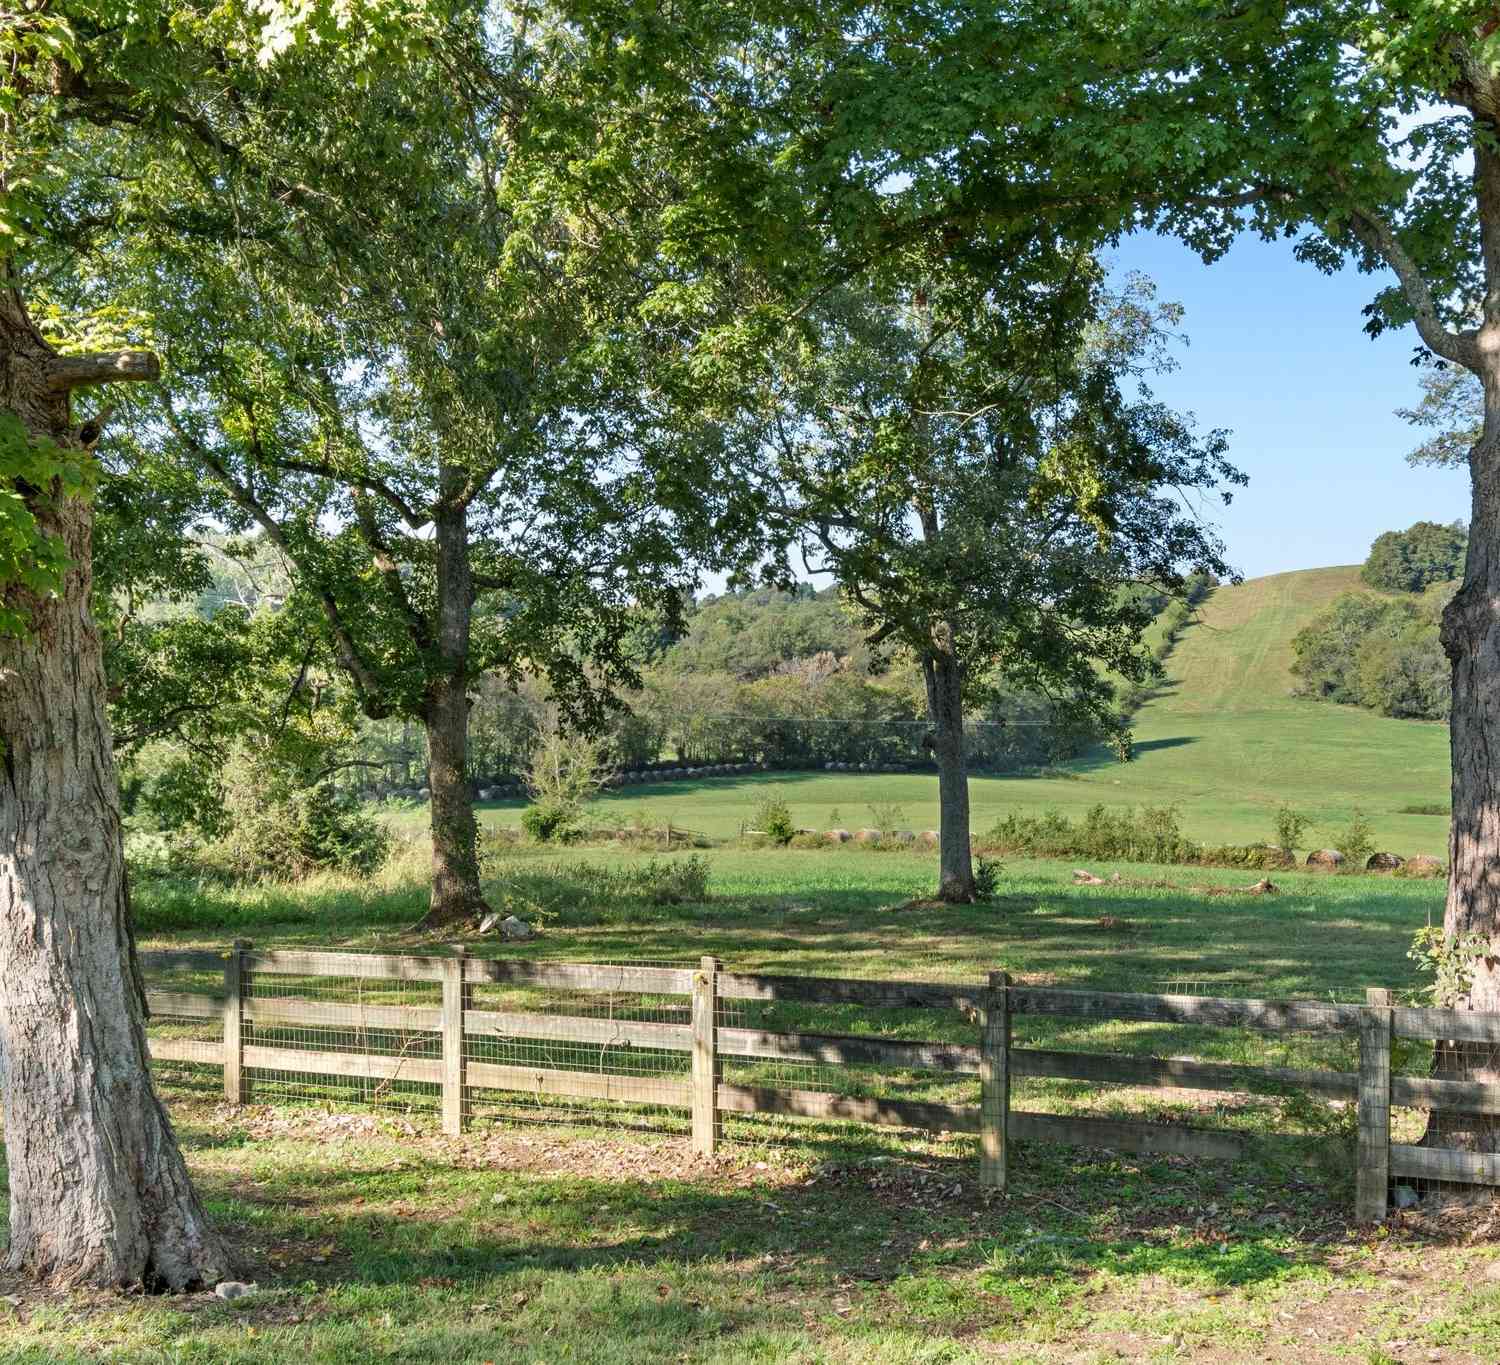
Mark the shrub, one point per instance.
(566, 774)
(773, 818)
(1151, 834)
(887, 817)
(1291, 825)
(548, 822)
(1356, 842)
(987, 878)
(1260, 857)
(282, 836)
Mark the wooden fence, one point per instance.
(702, 1090)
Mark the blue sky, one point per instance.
(1279, 356)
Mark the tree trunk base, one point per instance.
(446, 916)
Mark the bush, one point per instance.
(548, 822)
(1356, 842)
(1291, 825)
(287, 836)
(773, 818)
(887, 817)
(987, 878)
(1150, 834)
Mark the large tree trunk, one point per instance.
(99, 1192)
(945, 710)
(1471, 639)
(456, 892)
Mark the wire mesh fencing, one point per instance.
(343, 1039)
(1203, 1067)
(613, 1055)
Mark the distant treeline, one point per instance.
(786, 679)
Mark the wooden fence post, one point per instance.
(234, 1021)
(1374, 1150)
(455, 1001)
(994, 1083)
(706, 1126)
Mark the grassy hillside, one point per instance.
(1224, 740)
(1238, 655)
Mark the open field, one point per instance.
(374, 1238)
(1224, 741)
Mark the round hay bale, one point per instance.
(839, 836)
(1423, 865)
(1325, 857)
(904, 836)
(1384, 862)
(867, 836)
(928, 838)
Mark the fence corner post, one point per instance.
(455, 1001)
(706, 1128)
(1373, 1155)
(994, 1083)
(234, 1021)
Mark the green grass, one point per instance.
(1224, 741)
(372, 1237)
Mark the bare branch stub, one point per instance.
(67, 372)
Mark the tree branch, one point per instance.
(1380, 239)
(115, 367)
(366, 683)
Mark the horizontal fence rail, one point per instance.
(433, 1050)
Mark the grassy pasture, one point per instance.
(1224, 741)
(372, 1237)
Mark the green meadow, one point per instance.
(545, 1240)
(1224, 741)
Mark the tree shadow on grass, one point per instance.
(865, 1220)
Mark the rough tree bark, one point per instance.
(99, 1193)
(456, 892)
(943, 673)
(1471, 639)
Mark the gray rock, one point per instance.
(234, 1289)
(1406, 1197)
(515, 928)
(489, 923)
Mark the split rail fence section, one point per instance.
(442, 1048)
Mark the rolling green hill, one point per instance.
(1224, 741)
